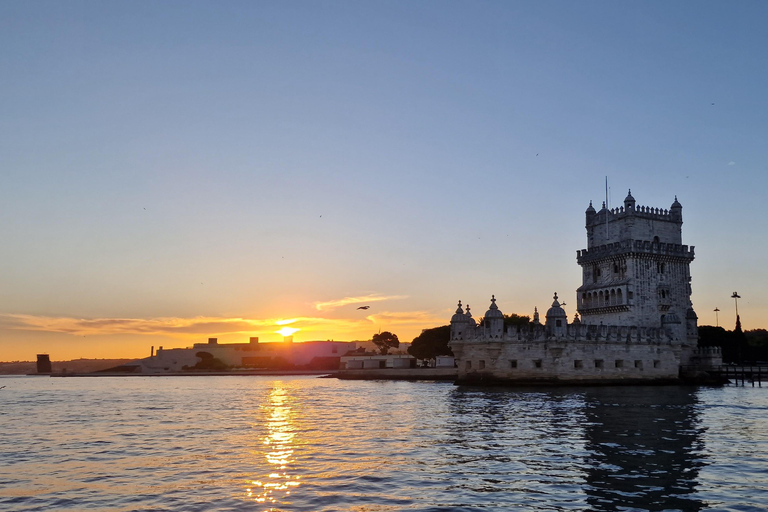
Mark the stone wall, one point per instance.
(559, 361)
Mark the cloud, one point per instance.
(174, 326)
(333, 304)
(731, 163)
(203, 327)
(408, 318)
(165, 326)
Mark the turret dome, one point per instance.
(459, 316)
(471, 320)
(556, 311)
(493, 310)
(629, 201)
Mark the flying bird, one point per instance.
(364, 307)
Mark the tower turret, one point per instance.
(459, 324)
(676, 211)
(494, 320)
(557, 320)
(629, 202)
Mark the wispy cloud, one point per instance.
(731, 163)
(200, 327)
(333, 304)
(165, 326)
(174, 326)
(425, 318)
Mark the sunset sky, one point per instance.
(173, 171)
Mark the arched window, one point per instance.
(619, 299)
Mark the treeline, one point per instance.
(738, 346)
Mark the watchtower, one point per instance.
(635, 269)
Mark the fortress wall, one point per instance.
(567, 361)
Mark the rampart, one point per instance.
(634, 247)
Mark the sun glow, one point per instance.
(287, 331)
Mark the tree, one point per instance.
(431, 343)
(385, 340)
(208, 362)
(518, 320)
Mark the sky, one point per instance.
(173, 171)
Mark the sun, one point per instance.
(287, 331)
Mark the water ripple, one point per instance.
(304, 444)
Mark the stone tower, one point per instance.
(635, 270)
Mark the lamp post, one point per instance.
(717, 318)
(736, 298)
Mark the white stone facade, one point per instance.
(637, 321)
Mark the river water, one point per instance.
(310, 444)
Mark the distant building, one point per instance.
(286, 355)
(44, 363)
(378, 361)
(637, 320)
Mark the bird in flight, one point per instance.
(363, 307)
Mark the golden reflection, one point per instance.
(278, 451)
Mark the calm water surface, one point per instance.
(308, 444)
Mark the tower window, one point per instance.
(513, 363)
(537, 363)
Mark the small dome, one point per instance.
(676, 204)
(469, 318)
(459, 316)
(691, 314)
(629, 196)
(590, 209)
(556, 310)
(493, 310)
(576, 319)
(671, 318)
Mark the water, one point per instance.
(308, 444)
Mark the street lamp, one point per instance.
(717, 317)
(736, 298)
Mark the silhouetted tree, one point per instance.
(518, 320)
(208, 362)
(431, 343)
(385, 340)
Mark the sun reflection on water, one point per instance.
(278, 451)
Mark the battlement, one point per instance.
(573, 332)
(634, 247)
(642, 212)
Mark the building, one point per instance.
(636, 323)
(285, 355)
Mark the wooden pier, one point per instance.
(739, 375)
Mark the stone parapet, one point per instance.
(573, 332)
(626, 247)
(642, 212)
